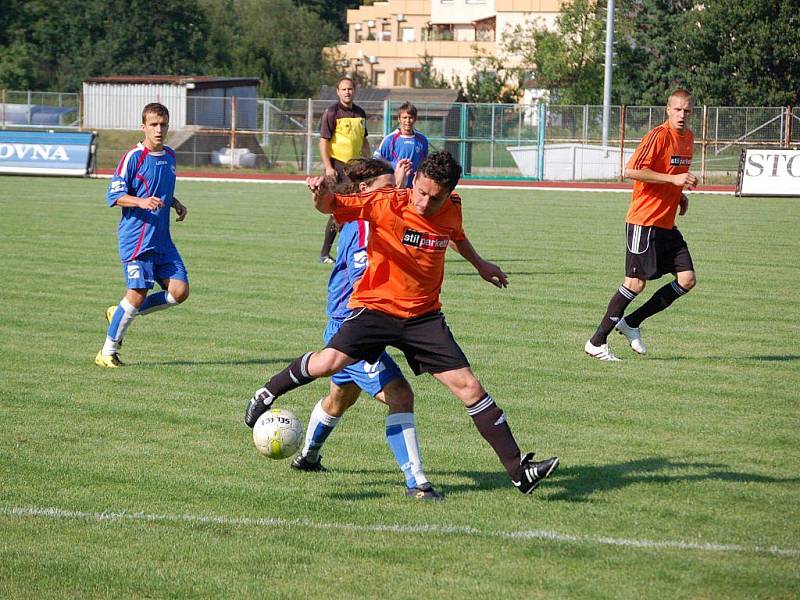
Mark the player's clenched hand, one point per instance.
(687, 180)
(151, 203)
(180, 209)
(683, 204)
(315, 184)
(401, 172)
(493, 274)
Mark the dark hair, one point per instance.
(155, 108)
(363, 169)
(408, 108)
(345, 78)
(442, 168)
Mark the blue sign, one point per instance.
(44, 153)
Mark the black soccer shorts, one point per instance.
(426, 341)
(654, 251)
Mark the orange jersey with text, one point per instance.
(405, 251)
(663, 150)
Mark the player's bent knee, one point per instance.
(687, 281)
(327, 361)
(398, 396)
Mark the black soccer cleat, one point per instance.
(534, 472)
(424, 492)
(257, 405)
(301, 463)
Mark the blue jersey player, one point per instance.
(143, 186)
(404, 143)
(381, 379)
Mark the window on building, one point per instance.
(407, 34)
(379, 78)
(406, 77)
(437, 33)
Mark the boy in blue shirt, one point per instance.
(404, 142)
(143, 186)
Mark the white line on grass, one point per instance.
(58, 513)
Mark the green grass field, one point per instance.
(680, 472)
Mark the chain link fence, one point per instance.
(540, 142)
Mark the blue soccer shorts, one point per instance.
(370, 377)
(154, 266)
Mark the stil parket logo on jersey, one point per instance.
(680, 161)
(425, 241)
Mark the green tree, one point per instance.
(290, 60)
(651, 45)
(333, 12)
(428, 77)
(744, 53)
(490, 80)
(569, 62)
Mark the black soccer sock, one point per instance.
(659, 301)
(293, 376)
(330, 235)
(616, 308)
(492, 425)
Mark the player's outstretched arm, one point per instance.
(179, 208)
(321, 194)
(487, 270)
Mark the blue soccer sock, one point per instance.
(401, 433)
(320, 426)
(158, 301)
(119, 324)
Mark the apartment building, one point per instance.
(388, 40)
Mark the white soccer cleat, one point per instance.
(633, 334)
(602, 352)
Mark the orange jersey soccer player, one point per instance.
(660, 170)
(397, 304)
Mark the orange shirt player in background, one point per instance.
(660, 170)
(397, 303)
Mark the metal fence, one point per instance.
(534, 141)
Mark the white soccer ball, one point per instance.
(278, 433)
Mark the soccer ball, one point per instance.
(278, 433)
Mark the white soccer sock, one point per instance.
(320, 426)
(129, 312)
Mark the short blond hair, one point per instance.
(682, 94)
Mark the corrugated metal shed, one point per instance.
(117, 102)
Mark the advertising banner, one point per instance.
(769, 172)
(46, 153)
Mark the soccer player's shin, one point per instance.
(661, 300)
(157, 301)
(616, 308)
(491, 423)
(123, 316)
(320, 426)
(293, 376)
(401, 433)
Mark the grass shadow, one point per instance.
(578, 483)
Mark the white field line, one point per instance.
(553, 536)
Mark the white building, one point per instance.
(387, 40)
(116, 102)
